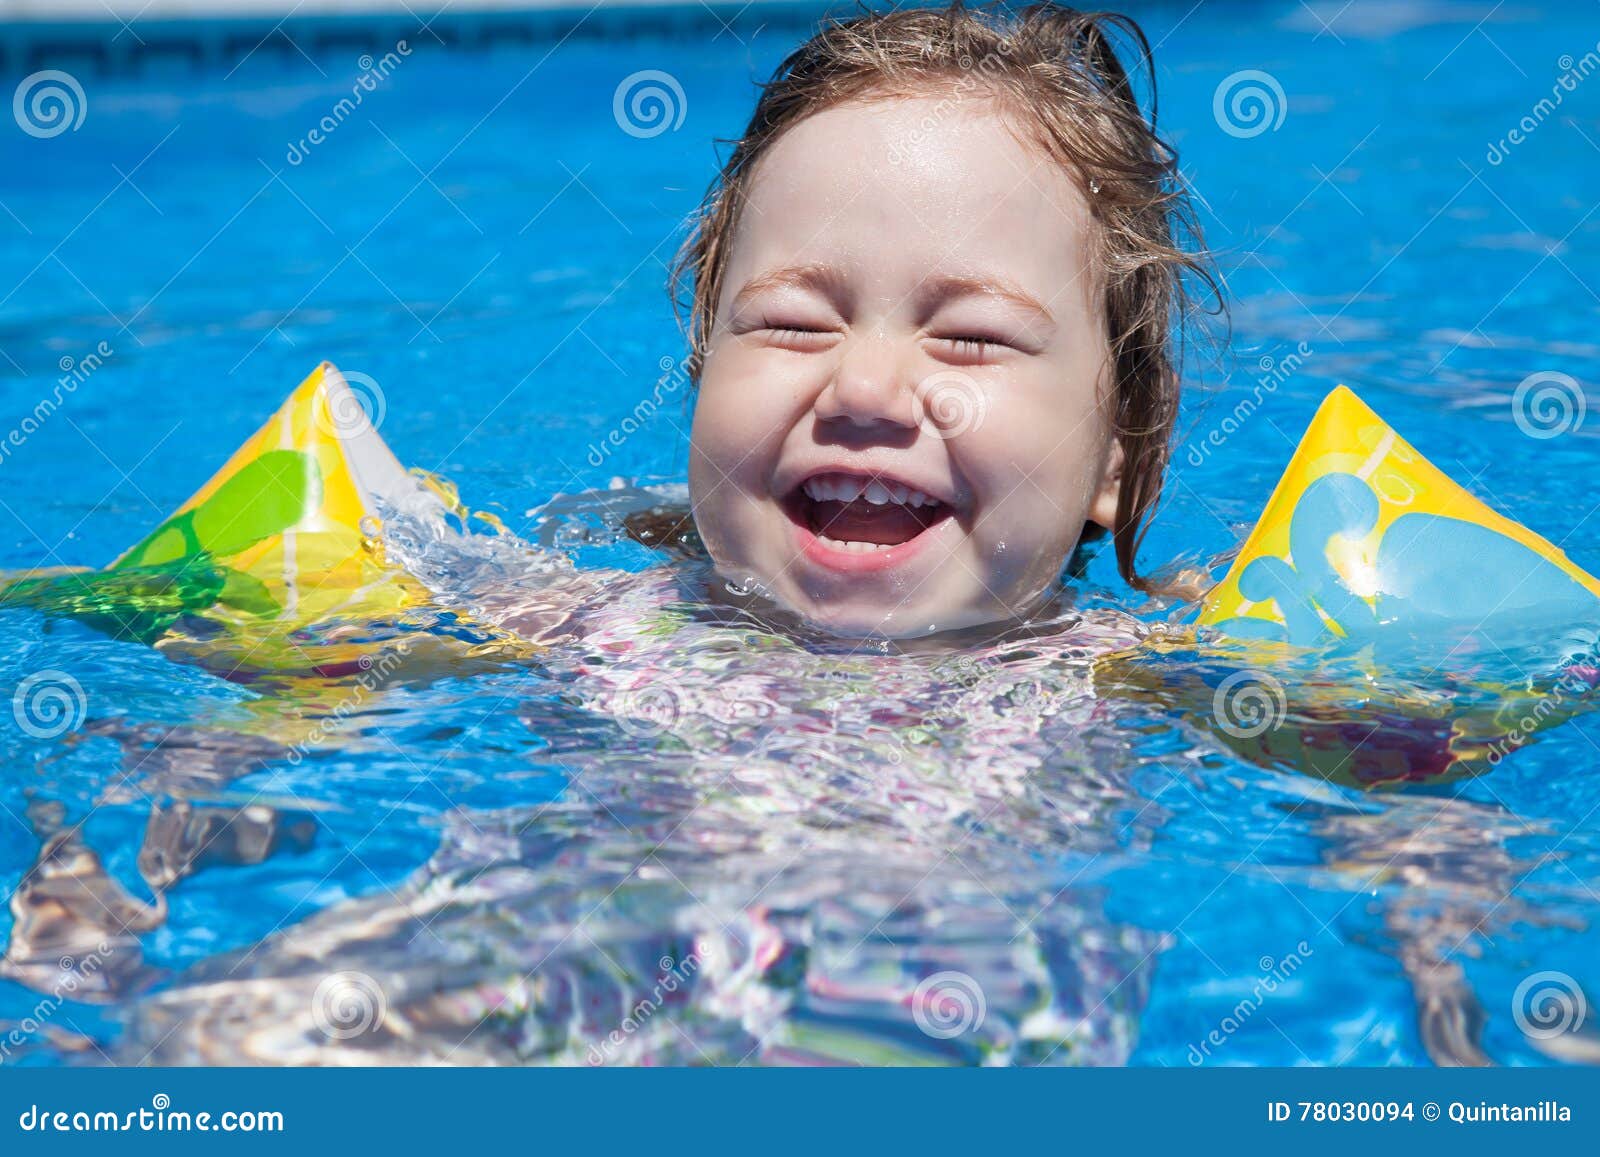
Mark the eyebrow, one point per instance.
(942, 289)
(827, 280)
(823, 279)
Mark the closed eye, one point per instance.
(799, 337)
(972, 347)
(972, 343)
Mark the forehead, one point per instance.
(908, 186)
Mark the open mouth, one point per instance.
(863, 514)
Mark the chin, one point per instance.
(861, 623)
(867, 620)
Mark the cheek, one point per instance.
(740, 421)
(1038, 466)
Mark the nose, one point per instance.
(871, 386)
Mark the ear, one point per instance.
(1103, 506)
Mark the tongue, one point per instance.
(861, 521)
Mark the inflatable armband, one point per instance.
(1441, 635)
(284, 535)
(1366, 540)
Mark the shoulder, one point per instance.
(546, 611)
(633, 607)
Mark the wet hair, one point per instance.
(1056, 73)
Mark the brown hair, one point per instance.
(1057, 71)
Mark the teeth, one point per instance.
(847, 488)
(852, 547)
(833, 487)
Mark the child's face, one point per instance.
(908, 299)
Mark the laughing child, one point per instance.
(934, 299)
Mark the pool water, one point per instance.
(769, 850)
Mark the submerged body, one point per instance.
(802, 821)
(750, 844)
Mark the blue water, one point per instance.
(482, 240)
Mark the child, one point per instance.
(934, 298)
